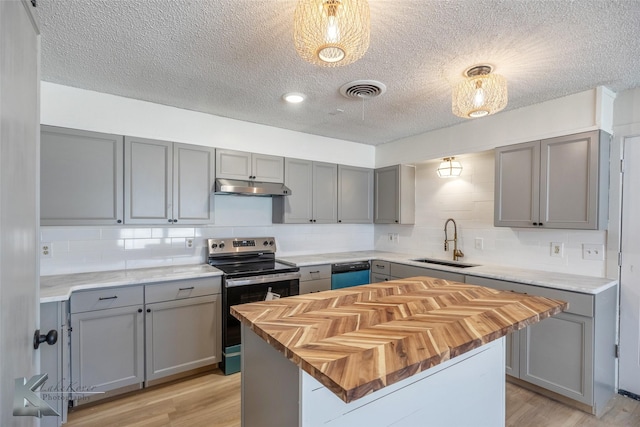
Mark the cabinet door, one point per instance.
(325, 193)
(148, 181)
(267, 168)
(193, 183)
(355, 195)
(557, 354)
(517, 191)
(512, 353)
(181, 335)
(107, 352)
(569, 181)
(296, 208)
(387, 195)
(232, 164)
(80, 177)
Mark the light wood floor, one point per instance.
(214, 400)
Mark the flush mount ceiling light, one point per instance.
(449, 168)
(482, 93)
(331, 33)
(294, 97)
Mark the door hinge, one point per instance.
(621, 165)
(617, 351)
(619, 259)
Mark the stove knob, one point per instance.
(265, 243)
(213, 246)
(271, 242)
(221, 245)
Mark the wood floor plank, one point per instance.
(213, 400)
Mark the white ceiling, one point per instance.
(235, 58)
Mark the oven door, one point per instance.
(245, 290)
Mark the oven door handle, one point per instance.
(267, 278)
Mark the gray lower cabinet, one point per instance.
(107, 342)
(181, 327)
(316, 278)
(81, 176)
(380, 271)
(314, 193)
(54, 361)
(572, 354)
(167, 182)
(121, 343)
(355, 195)
(395, 195)
(402, 271)
(553, 183)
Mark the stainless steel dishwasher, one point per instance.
(348, 274)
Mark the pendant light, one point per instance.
(331, 33)
(449, 168)
(481, 94)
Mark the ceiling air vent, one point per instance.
(363, 89)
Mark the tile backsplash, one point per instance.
(468, 199)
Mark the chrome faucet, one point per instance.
(457, 253)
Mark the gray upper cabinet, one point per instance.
(554, 183)
(395, 191)
(80, 177)
(355, 195)
(313, 199)
(232, 164)
(167, 182)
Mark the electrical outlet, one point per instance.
(45, 250)
(593, 252)
(188, 243)
(478, 243)
(557, 249)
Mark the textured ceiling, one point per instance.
(235, 58)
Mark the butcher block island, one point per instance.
(417, 351)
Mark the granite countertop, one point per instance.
(59, 287)
(358, 340)
(562, 281)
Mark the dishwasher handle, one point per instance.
(347, 267)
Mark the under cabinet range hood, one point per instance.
(251, 188)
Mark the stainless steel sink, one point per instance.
(441, 262)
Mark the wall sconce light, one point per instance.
(481, 93)
(331, 33)
(449, 168)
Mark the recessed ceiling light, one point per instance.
(294, 97)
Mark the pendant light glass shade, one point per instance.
(481, 94)
(331, 33)
(449, 168)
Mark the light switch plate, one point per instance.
(593, 251)
(478, 243)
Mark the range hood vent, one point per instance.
(251, 188)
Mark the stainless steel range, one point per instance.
(250, 272)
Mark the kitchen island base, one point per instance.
(467, 390)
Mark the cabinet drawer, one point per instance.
(100, 299)
(315, 272)
(581, 304)
(378, 278)
(179, 289)
(380, 267)
(315, 286)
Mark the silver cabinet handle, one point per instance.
(186, 289)
(104, 298)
